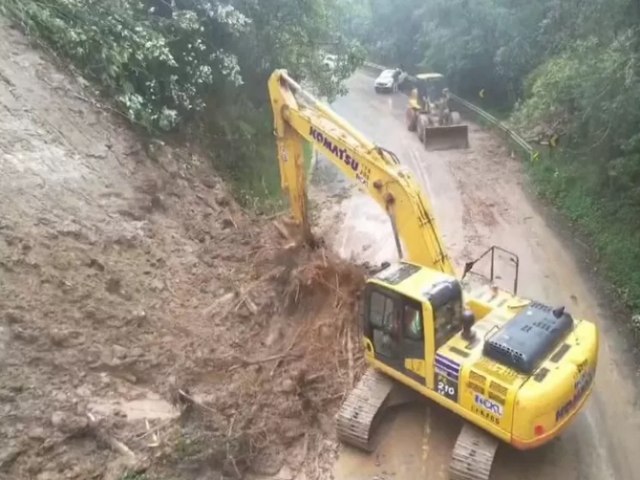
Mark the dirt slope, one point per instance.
(146, 322)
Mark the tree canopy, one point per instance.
(568, 69)
(165, 61)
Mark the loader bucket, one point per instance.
(446, 138)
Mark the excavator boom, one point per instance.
(299, 116)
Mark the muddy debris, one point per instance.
(126, 279)
(269, 401)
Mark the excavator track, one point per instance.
(359, 414)
(472, 455)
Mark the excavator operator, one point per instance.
(412, 323)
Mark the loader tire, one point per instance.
(422, 134)
(411, 118)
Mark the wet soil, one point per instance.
(147, 323)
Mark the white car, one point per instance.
(329, 61)
(389, 80)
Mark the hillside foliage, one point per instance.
(561, 69)
(199, 65)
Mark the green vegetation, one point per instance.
(565, 69)
(199, 66)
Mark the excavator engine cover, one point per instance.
(528, 338)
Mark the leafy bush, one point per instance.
(158, 69)
(167, 64)
(589, 94)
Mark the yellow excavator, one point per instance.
(515, 370)
(429, 114)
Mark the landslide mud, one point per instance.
(147, 323)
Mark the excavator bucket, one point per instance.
(446, 137)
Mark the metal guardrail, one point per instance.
(374, 66)
(513, 137)
(526, 150)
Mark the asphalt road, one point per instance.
(479, 199)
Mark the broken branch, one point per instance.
(114, 444)
(263, 360)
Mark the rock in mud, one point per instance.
(157, 285)
(139, 316)
(9, 455)
(222, 200)
(96, 264)
(287, 385)
(12, 317)
(209, 182)
(119, 352)
(58, 337)
(114, 286)
(36, 433)
(157, 203)
(227, 223)
(69, 423)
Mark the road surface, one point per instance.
(480, 199)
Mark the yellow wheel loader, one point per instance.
(515, 370)
(429, 113)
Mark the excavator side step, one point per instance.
(472, 455)
(361, 411)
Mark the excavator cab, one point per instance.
(399, 327)
(429, 113)
(407, 313)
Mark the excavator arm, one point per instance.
(299, 117)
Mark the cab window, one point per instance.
(381, 311)
(448, 321)
(446, 304)
(412, 323)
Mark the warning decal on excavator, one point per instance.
(447, 376)
(447, 387)
(447, 366)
